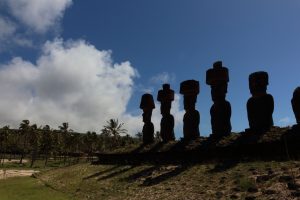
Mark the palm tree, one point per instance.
(46, 142)
(66, 139)
(24, 131)
(33, 139)
(4, 133)
(90, 142)
(114, 129)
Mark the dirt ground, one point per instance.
(8, 173)
(14, 161)
(15, 173)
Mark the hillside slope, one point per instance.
(253, 180)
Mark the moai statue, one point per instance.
(190, 89)
(220, 112)
(296, 105)
(166, 96)
(260, 106)
(147, 104)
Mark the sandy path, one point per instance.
(14, 161)
(15, 173)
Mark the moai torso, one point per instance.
(166, 96)
(191, 119)
(148, 133)
(296, 104)
(220, 112)
(167, 128)
(147, 104)
(220, 118)
(260, 106)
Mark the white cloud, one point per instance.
(285, 121)
(162, 78)
(22, 41)
(72, 82)
(39, 15)
(7, 28)
(26, 20)
(9, 36)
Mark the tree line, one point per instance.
(62, 143)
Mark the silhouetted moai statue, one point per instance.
(260, 106)
(166, 96)
(296, 105)
(220, 112)
(147, 104)
(191, 119)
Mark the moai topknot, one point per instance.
(260, 106)
(220, 112)
(147, 104)
(296, 105)
(191, 119)
(166, 96)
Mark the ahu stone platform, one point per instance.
(276, 144)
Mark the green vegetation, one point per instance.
(200, 181)
(83, 181)
(245, 184)
(63, 159)
(43, 143)
(28, 188)
(40, 164)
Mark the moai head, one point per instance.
(218, 79)
(190, 90)
(258, 82)
(296, 94)
(147, 104)
(217, 75)
(165, 96)
(296, 104)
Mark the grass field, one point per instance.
(28, 188)
(222, 180)
(255, 180)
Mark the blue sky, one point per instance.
(168, 40)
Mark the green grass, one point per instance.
(199, 181)
(246, 183)
(84, 181)
(27, 188)
(39, 164)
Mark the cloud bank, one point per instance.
(163, 77)
(285, 121)
(39, 15)
(7, 28)
(71, 82)
(23, 20)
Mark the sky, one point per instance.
(84, 62)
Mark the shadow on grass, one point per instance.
(165, 176)
(224, 166)
(143, 173)
(116, 173)
(102, 172)
(156, 174)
